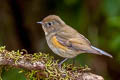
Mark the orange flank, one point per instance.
(57, 44)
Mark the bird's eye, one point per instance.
(49, 24)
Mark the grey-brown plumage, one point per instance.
(66, 41)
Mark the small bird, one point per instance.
(65, 41)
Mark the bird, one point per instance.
(65, 41)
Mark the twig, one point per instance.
(42, 66)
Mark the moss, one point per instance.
(2, 48)
(51, 71)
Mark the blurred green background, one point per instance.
(98, 20)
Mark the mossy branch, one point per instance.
(42, 66)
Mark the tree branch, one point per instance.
(43, 66)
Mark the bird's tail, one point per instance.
(102, 52)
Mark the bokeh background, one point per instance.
(98, 20)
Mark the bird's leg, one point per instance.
(59, 65)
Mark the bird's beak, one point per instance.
(39, 22)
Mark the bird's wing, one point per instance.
(74, 44)
(73, 40)
(69, 32)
